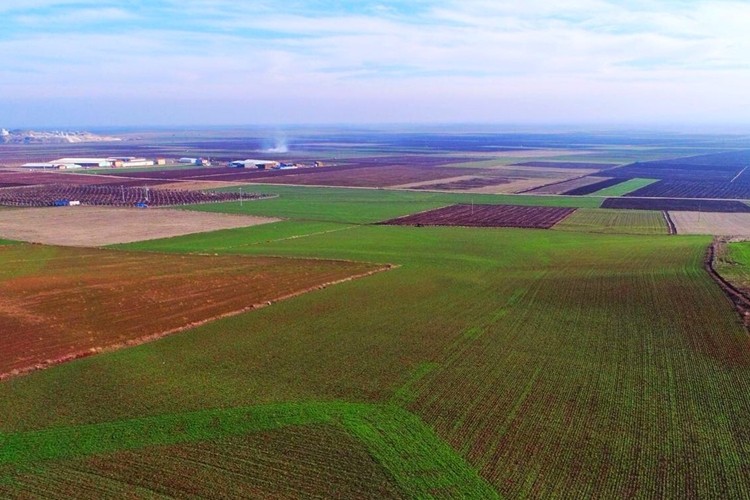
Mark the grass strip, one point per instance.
(421, 463)
(624, 188)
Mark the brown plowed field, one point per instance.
(486, 216)
(565, 164)
(564, 186)
(738, 189)
(464, 184)
(370, 176)
(687, 205)
(33, 178)
(60, 303)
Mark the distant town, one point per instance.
(133, 161)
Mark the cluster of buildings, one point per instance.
(270, 164)
(132, 161)
(115, 161)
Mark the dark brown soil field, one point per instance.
(58, 303)
(477, 182)
(486, 216)
(565, 164)
(20, 178)
(686, 205)
(739, 189)
(110, 195)
(563, 186)
(717, 167)
(592, 188)
(370, 176)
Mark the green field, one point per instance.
(550, 363)
(603, 220)
(362, 206)
(624, 188)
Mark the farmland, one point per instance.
(734, 224)
(726, 206)
(596, 359)
(115, 292)
(615, 221)
(486, 216)
(110, 195)
(695, 189)
(98, 226)
(502, 292)
(592, 188)
(624, 188)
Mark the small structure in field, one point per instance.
(259, 164)
(84, 162)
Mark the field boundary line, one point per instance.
(740, 301)
(156, 336)
(671, 227)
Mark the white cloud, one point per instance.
(599, 57)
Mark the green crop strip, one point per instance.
(624, 188)
(364, 206)
(418, 460)
(604, 220)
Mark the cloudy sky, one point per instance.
(110, 62)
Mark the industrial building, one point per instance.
(201, 162)
(84, 162)
(51, 165)
(259, 164)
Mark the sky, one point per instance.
(188, 62)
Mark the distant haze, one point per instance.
(174, 62)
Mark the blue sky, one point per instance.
(164, 62)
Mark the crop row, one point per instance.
(486, 216)
(695, 189)
(678, 204)
(110, 195)
(592, 188)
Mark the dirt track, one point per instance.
(99, 226)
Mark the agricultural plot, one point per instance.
(560, 187)
(97, 226)
(566, 164)
(738, 189)
(491, 336)
(462, 184)
(364, 206)
(328, 463)
(679, 204)
(716, 167)
(486, 216)
(600, 220)
(719, 224)
(592, 188)
(20, 178)
(110, 195)
(624, 188)
(380, 176)
(732, 262)
(62, 303)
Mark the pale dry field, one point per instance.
(562, 187)
(98, 226)
(516, 179)
(723, 224)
